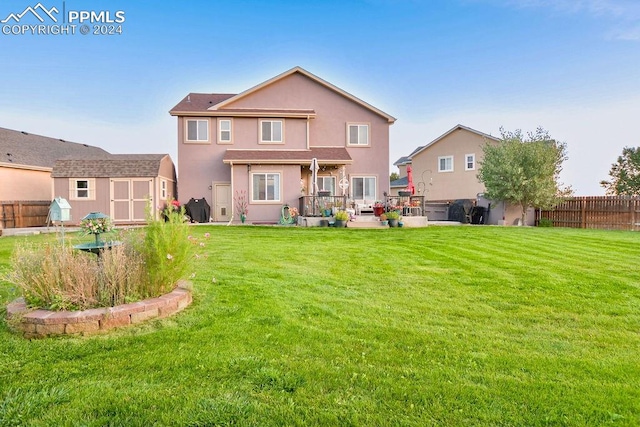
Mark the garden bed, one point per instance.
(42, 323)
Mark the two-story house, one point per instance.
(263, 140)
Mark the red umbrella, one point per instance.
(410, 186)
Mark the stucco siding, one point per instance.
(457, 184)
(24, 184)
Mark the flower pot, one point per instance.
(393, 223)
(340, 223)
(378, 210)
(384, 223)
(243, 218)
(324, 223)
(324, 193)
(404, 193)
(400, 224)
(327, 212)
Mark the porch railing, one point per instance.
(316, 205)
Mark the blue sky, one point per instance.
(570, 66)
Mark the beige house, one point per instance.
(446, 169)
(122, 186)
(26, 162)
(262, 142)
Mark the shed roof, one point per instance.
(113, 166)
(25, 149)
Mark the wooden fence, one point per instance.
(19, 214)
(602, 212)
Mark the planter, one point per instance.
(340, 223)
(393, 223)
(324, 223)
(404, 193)
(243, 218)
(324, 193)
(41, 323)
(328, 212)
(384, 223)
(378, 210)
(400, 224)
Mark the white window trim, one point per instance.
(91, 189)
(364, 197)
(163, 189)
(196, 141)
(280, 183)
(220, 140)
(331, 178)
(349, 144)
(466, 162)
(439, 163)
(261, 139)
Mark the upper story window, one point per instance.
(224, 131)
(357, 134)
(197, 130)
(363, 187)
(265, 187)
(469, 162)
(83, 189)
(271, 131)
(445, 164)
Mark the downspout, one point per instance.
(233, 207)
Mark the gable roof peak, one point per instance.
(300, 70)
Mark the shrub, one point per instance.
(393, 215)
(342, 216)
(147, 264)
(545, 222)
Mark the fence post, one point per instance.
(583, 213)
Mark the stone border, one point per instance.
(43, 323)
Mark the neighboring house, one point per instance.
(446, 169)
(26, 162)
(122, 186)
(402, 163)
(262, 141)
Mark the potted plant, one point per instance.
(383, 219)
(242, 204)
(341, 219)
(378, 209)
(393, 217)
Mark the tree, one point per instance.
(394, 176)
(625, 175)
(524, 170)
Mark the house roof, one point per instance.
(24, 149)
(218, 102)
(113, 166)
(401, 182)
(325, 155)
(453, 129)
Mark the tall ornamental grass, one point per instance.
(147, 264)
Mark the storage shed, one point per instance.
(122, 185)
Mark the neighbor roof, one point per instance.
(25, 149)
(453, 129)
(326, 155)
(218, 102)
(114, 166)
(402, 182)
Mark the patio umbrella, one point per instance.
(410, 186)
(314, 175)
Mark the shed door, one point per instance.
(129, 198)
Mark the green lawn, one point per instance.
(442, 326)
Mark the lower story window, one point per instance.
(327, 183)
(363, 187)
(266, 187)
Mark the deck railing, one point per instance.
(317, 205)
